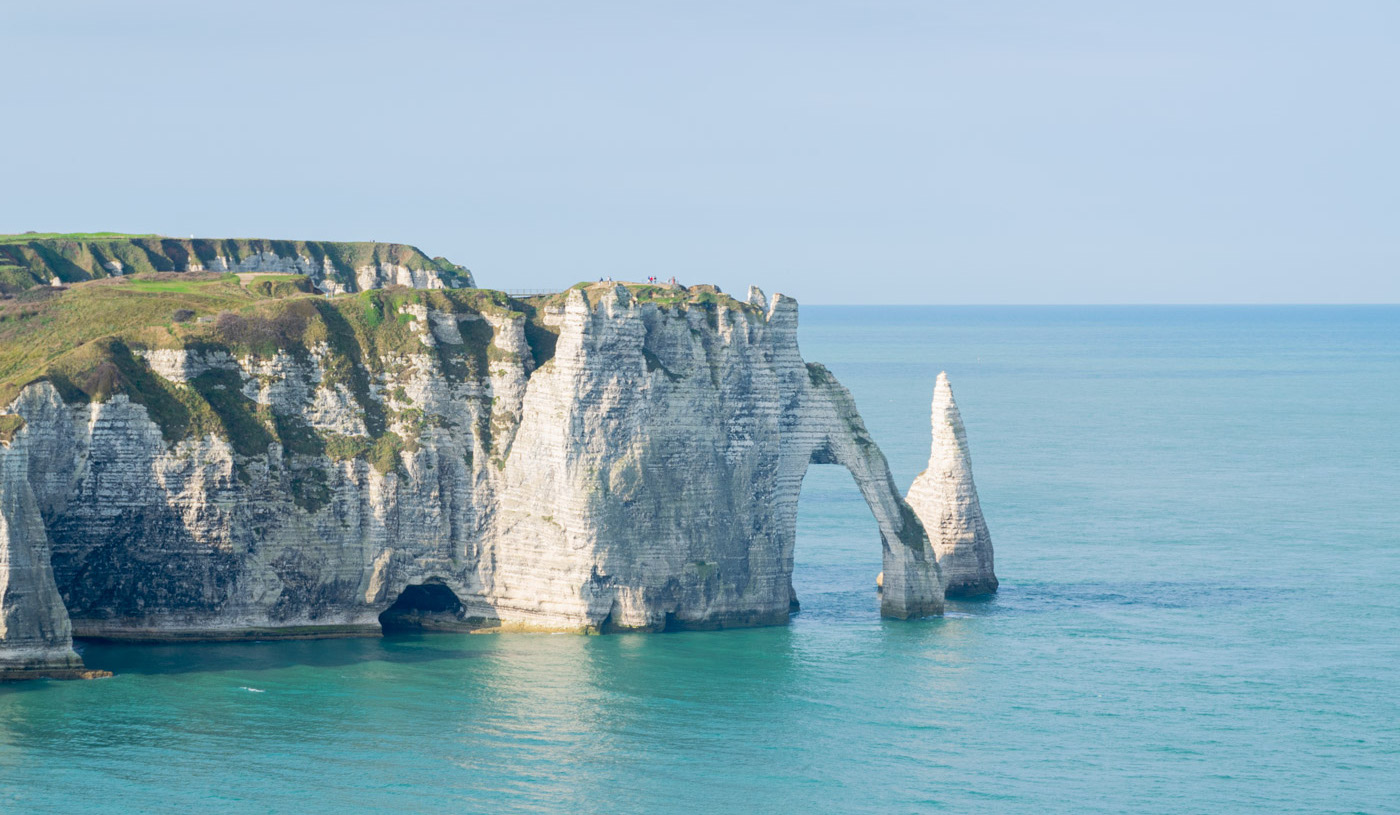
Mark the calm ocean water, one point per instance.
(1197, 520)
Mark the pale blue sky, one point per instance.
(911, 152)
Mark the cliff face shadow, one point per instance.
(211, 657)
(423, 607)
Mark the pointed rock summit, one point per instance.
(757, 298)
(945, 499)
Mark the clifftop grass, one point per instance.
(44, 327)
(70, 236)
(666, 297)
(88, 340)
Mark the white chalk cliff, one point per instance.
(945, 499)
(616, 464)
(35, 635)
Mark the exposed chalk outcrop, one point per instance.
(35, 636)
(945, 498)
(591, 461)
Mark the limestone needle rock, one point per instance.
(35, 636)
(945, 499)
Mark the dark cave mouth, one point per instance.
(424, 607)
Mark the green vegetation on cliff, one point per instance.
(37, 258)
(666, 297)
(70, 236)
(91, 340)
(10, 424)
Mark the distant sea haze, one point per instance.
(1198, 539)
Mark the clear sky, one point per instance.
(866, 152)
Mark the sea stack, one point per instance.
(945, 499)
(36, 639)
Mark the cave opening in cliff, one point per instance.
(838, 553)
(422, 607)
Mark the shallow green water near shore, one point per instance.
(1197, 521)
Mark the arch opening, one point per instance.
(424, 607)
(837, 553)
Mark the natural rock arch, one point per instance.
(912, 579)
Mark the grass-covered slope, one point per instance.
(36, 258)
(89, 339)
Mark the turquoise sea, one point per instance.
(1196, 514)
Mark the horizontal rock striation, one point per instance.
(945, 498)
(35, 635)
